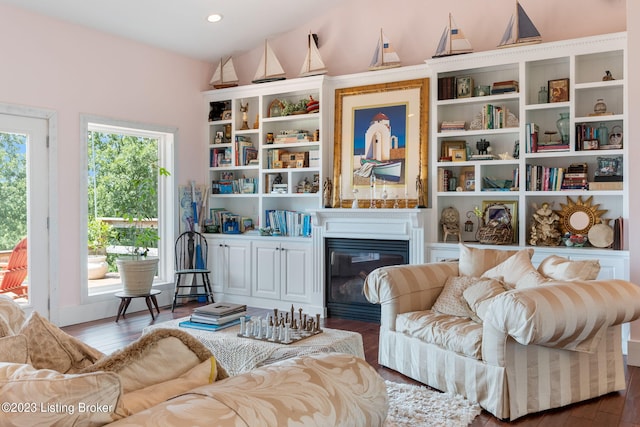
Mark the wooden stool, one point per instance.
(148, 298)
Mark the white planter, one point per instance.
(97, 266)
(137, 274)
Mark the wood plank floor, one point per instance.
(616, 409)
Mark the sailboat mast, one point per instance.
(450, 35)
(381, 47)
(309, 50)
(265, 58)
(517, 24)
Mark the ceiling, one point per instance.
(181, 25)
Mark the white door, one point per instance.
(35, 132)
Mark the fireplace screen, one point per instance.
(348, 262)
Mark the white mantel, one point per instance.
(384, 224)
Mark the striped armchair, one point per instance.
(536, 348)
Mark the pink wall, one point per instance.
(72, 70)
(349, 32)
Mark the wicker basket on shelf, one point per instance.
(496, 226)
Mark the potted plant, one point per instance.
(98, 235)
(136, 268)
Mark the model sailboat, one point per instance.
(313, 64)
(225, 75)
(453, 41)
(269, 68)
(384, 55)
(520, 30)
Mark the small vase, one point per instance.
(563, 127)
(603, 135)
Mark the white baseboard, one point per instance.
(633, 355)
(108, 307)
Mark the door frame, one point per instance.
(51, 309)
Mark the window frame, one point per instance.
(167, 141)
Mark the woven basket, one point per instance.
(496, 231)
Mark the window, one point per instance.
(115, 152)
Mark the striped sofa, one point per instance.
(536, 348)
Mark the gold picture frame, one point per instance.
(494, 207)
(446, 148)
(459, 155)
(403, 108)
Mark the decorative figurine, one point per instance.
(327, 191)
(482, 146)
(244, 108)
(545, 229)
(450, 221)
(420, 191)
(607, 76)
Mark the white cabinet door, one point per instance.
(238, 267)
(295, 273)
(216, 264)
(266, 272)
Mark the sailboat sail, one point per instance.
(312, 64)
(452, 41)
(225, 75)
(520, 30)
(384, 56)
(269, 68)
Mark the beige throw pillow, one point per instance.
(517, 271)
(199, 375)
(558, 268)
(11, 316)
(450, 300)
(56, 399)
(52, 348)
(475, 261)
(14, 349)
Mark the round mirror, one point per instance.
(579, 220)
(579, 216)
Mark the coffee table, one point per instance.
(238, 355)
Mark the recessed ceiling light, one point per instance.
(214, 18)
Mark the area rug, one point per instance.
(411, 405)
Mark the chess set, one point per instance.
(281, 327)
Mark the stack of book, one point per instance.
(215, 316)
(449, 126)
(506, 86)
(576, 177)
(446, 88)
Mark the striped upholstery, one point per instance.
(525, 366)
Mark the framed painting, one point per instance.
(381, 143)
(558, 90)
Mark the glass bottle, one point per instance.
(603, 135)
(543, 95)
(563, 127)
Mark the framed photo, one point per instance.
(501, 210)
(590, 144)
(447, 147)
(459, 154)
(380, 136)
(558, 90)
(468, 178)
(464, 87)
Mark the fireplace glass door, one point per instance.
(348, 262)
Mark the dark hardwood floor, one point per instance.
(616, 409)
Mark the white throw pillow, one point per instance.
(517, 271)
(480, 295)
(558, 268)
(475, 261)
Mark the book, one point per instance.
(207, 327)
(216, 320)
(220, 309)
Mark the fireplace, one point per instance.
(348, 262)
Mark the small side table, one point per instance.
(148, 298)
